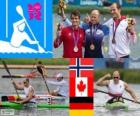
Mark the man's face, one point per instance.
(75, 20)
(26, 83)
(94, 18)
(116, 77)
(114, 11)
(86, 19)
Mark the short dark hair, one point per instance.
(75, 13)
(117, 4)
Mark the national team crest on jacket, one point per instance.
(81, 83)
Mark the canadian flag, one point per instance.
(81, 87)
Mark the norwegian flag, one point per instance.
(81, 72)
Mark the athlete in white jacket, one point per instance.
(121, 33)
(62, 86)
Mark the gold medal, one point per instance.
(92, 47)
(75, 49)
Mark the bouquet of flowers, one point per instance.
(61, 6)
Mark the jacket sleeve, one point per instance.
(67, 22)
(56, 83)
(132, 37)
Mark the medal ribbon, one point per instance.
(93, 33)
(76, 37)
(114, 30)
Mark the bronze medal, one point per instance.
(75, 49)
(92, 47)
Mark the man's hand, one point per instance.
(19, 102)
(136, 100)
(102, 81)
(131, 24)
(108, 75)
(58, 34)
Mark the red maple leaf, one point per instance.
(81, 86)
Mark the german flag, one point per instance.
(81, 85)
(81, 113)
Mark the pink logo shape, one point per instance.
(34, 11)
